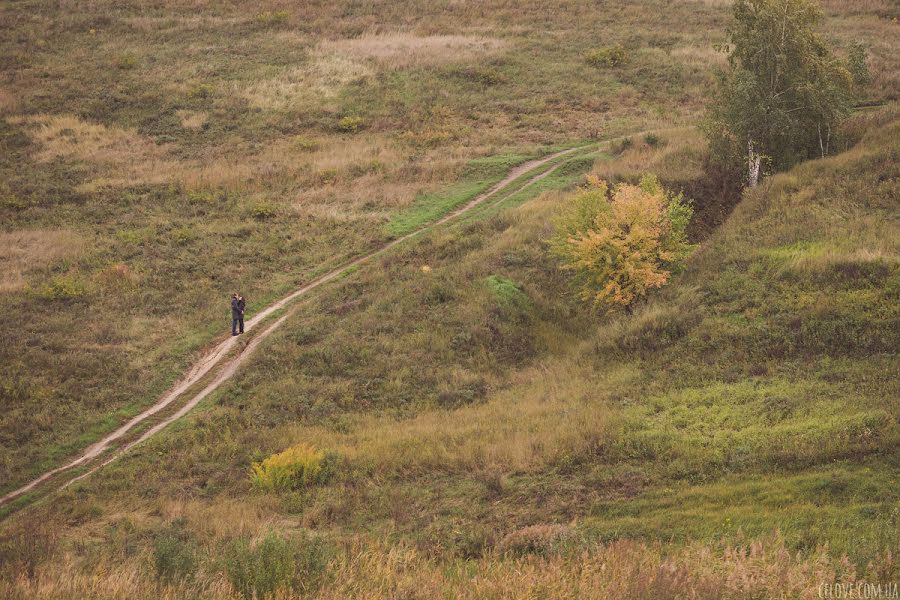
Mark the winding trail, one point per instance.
(220, 353)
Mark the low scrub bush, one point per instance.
(174, 554)
(621, 244)
(607, 56)
(306, 144)
(63, 287)
(263, 210)
(297, 467)
(269, 18)
(259, 570)
(350, 124)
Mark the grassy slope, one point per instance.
(141, 175)
(758, 392)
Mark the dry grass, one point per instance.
(24, 251)
(404, 50)
(677, 156)
(192, 119)
(8, 101)
(555, 420)
(762, 568)
(308, 86)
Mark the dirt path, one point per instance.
(219, 353)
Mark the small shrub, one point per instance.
(297, 467)
(127, 61)
(607, 56)
(652, 140)
(202, 197)
(201, 90)
(263, 210)
(174, 555)
(306, 144)
(350, 123)
(507, 293)
(624, 144)
(269, 18)
(259, 570)
(183, 236)
(327, 176)
(63, 287)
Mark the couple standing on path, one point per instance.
(238, 304)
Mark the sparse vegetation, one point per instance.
(446, 417)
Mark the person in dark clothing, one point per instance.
(237, 314)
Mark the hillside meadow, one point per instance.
(484, 433)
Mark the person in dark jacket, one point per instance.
(237, 314)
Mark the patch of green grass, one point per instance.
(477, 177)
(852, 505)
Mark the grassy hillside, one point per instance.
(149, 166)
(489, 435)
(485, 434)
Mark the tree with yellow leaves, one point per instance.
(621, 243)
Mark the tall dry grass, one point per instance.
(25, 250)
(762, 568)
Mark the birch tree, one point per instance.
(783, 93)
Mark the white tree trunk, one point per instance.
(754, 160)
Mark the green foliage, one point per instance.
(263, 210)
(857, 65)
(350, 123)
(269, 18)
(274, 563)
(127, 61)
(784, 94)
(63, 287)
(306, 144)
(607, 56)
(174, 554)
(619, 249)
(652, 140)
(201, 91)
(297, 467)
(507, 293)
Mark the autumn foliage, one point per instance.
(619, 244)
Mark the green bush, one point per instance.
(297, 467)
(263, 210)
(608, 56)
(127, 61)
(652, 140)
(63, 287)
(350, 123)
(201, 90)
(174, 555)
(306, 144)
(269, 18)
(273, 563)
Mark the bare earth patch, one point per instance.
(23, 251)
